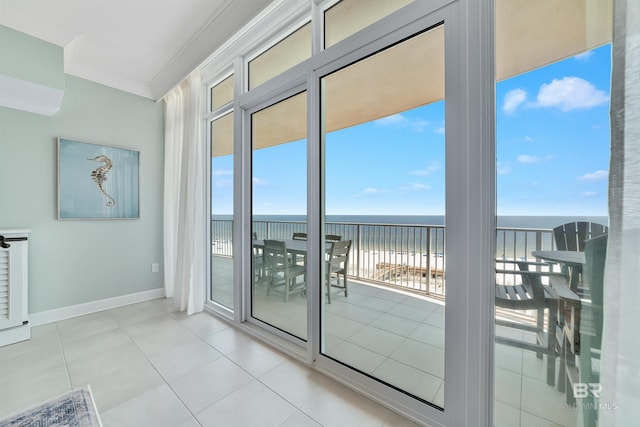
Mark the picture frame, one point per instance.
(97, 181)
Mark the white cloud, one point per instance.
(440, 130)
(589, 194)
(415, 187)
(398, 120)
(370, 190)
(258, 181)
(419, 124)
(528, 159)
(502, 169)
(224, 183)
(393, 120)
(584, 56)
(513, 99)
(598, 175)
(432, 167)
(222, 172)
(570, 93)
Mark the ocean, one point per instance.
(516, 237)
(543, 222)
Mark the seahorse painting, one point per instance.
(99, 175)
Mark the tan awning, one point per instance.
(535, 33)
(531, 34)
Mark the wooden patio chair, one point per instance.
(257, 260)
(280, 271)
(337, 265)
(530, 295)
(572, 237)
(582, 332)
(299, 258)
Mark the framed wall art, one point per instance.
(97, 181)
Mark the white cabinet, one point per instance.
(14, 310)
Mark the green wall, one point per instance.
(74, 262)
(35, 61)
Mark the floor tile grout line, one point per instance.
(61, 346)
(64, 357)
(164, 380)
(256, 378)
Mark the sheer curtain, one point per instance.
(620, 370)
(184, 226)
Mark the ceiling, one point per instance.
(141, 46)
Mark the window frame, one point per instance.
(470, 202)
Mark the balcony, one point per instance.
(391, 326)
(409, 257)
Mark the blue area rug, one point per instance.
(73, 409)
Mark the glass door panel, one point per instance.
(279, 209)
(553, 152)
(222, 210)
(384, 196)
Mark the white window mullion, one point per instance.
(471, 215)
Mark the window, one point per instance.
(222, 93)
(349, 16)
(357, 131)
(222, 288)
(221, 184)
(292, 50)
(552, 148)
(384, 194)
(279, 209)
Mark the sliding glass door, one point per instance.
(279, 210)
(553, 153)
(221, 220)
(383, 145)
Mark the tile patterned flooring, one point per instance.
(151, 366)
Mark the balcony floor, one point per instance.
(398, 336)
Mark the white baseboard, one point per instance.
(58, 314)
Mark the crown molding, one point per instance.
(262, 30)
(215, 32)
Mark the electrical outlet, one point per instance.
(155, 267)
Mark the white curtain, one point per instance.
(184, 222)
(620, 363)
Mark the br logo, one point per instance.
(582, 390)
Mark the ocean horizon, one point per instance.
(503, 221)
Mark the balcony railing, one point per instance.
(410, 257)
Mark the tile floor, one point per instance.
(399, 337)
(151, 366)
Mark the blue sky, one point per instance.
(552, 139)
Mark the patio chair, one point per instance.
(296, 258)
(337, 265)
(582, 332)
(572, 237)
(332, 238)
(529, 295)
(257, 260)
(280, 271)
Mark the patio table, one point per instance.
(573, 260)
